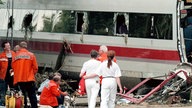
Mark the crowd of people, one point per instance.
(17, 71)
(19, 66)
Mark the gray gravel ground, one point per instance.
(81, 102)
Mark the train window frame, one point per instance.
(79, 22)
(95, 27)
(121, 23)
(154, 23)
(139, 25)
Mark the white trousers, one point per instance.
(92, 89)
(108, 92)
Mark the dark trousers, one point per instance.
(3, 89)
(28, 89)
(60, 99)
(2, 92)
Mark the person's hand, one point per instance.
(121, 90)
(11, 72)
(64, 93)
(84, 77)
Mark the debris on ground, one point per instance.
(176, 88)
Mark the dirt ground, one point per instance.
(82, 103)
(145, 106)
(153, 106)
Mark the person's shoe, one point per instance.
(61, 106)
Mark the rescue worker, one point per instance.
(51, 94)
(102, 57)
(6, 78)
(111, 73)
(103, 53)
(25, 67)
(45, 82)
(6, 60)
(16, 48)
(92, 84)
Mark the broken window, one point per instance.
(80, 22)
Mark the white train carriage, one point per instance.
(150, 44)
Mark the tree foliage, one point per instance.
(1, 2)
(99, 22)
(65, 24)
(48, 23)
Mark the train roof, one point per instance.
(142, 6)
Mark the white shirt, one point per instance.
(90, 67)
(113, 71)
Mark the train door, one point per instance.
(186, 25)
(187, 32)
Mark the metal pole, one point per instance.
(12, 24)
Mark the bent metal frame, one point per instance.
(140, 100)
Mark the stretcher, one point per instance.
(164, 82)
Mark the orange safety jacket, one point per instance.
(4, 64)
(103, 57)
(82, 86)
(49, 94)
(24, 66)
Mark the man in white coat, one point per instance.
(92, 84)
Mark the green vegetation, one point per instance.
(66, 23)
(1, 2)
(141, 25)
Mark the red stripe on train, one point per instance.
(120, 51)
(131, 52)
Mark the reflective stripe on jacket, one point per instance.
(24, 66)
(4, 64)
